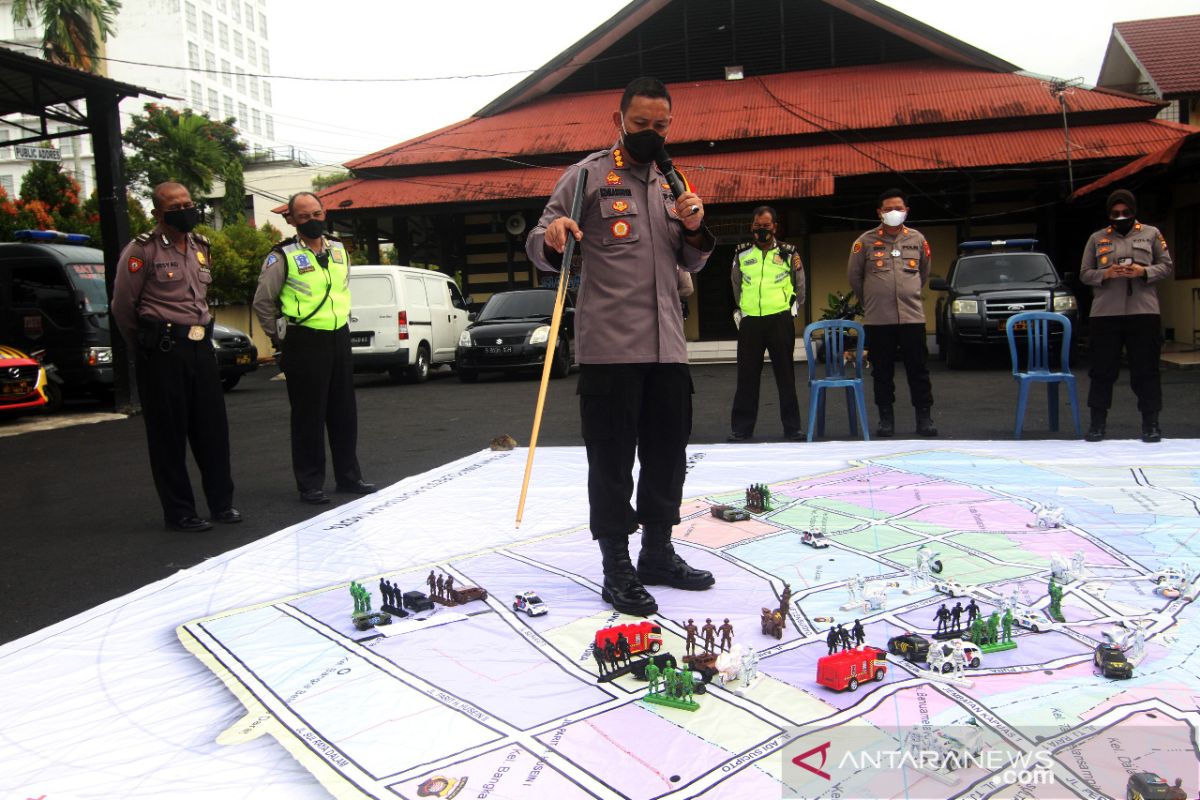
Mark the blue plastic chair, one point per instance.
(1037, 326)
(836, 374)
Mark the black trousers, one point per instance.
(885, 342)
(320, 385)
(777, 336)
(1141, 336)
(182, 403)
(634, 408)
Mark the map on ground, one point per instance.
(479, 701)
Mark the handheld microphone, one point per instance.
(673, 180)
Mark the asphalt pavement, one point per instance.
(81, 523)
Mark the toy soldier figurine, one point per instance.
(623, 647)
(652, 675)
(448, 586)
(726, 631)
(972, 611)
(432, 584)
(690, 644)
(1007, 622)
(687, 682)
(385, 592)
(832, 640)
(710, 632)
(993, 628)
(438, 595)
(599, 655)
(1055, 592)
(860, 635)
(610, 652)
(844, 635)
(956, 617)
(785, 600)
(977, 631)
(670, 681)
(942, 616)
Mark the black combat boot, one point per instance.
(1095, 431)
(621, 585)
(1150, 429)
(925, 423)
(659, 564)
(887, 422)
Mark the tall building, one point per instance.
(210, 55)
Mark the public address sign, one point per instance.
(37, 153)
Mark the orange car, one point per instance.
(23, 381)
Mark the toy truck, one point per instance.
(643, 637)
(845, 670)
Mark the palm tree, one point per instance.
(73, 29)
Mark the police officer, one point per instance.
(159, 303)
(768, 288)
(305, 282)
(888, 266)
(634, 385)
(1121, 263)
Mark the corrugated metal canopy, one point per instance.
(791, 172)
(901, 96)
(28, 84)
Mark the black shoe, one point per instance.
(925, 423)
(358, 487)
(622, 588)
(228, 517)
(659, 564)
(314, 497)
(794, 436)
(738, 437)
(189, 524)
(887, 422)
(1150, 430)
(1095, 431)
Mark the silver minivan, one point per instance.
(403, 320)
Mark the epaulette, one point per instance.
(785, 247)
(743, 247)
(200, 237)
(144, 238)
(333, 238)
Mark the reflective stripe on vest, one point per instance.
(766, 282)
(303, 292)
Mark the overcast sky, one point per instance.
(371, 39)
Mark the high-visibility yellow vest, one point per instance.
(766, 281)
(315, 296)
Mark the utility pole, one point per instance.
(1059, 88)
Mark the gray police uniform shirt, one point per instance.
(1144, 245)
(628, 306)
(887, 272)
(156, 282)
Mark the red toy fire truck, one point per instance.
(845, 670)
(642, 637)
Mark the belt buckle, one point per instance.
(196, 333)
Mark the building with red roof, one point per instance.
(812, 106)
(1157, 58)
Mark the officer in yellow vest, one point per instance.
(303, 302)
(768, 288)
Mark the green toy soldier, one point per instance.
(993, 628)
(1055, 599)
(977, 631)
(686, 684)
(670, 682)
(652, 675)
(1008, 622)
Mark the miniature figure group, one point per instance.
(758, 498)
(612, 654)
(362, 598)
(709, 632)
(996, 630)
(838, 635)
(670, 684)
(392, 597)
(440, 587)
(950, 620)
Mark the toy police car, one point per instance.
(814, 539)
(1148, 786)
(530, 603)
(1110, 660)
(1032, 621)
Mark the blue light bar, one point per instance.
(51, 236)
(983, 245)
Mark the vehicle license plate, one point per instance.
(16, 388)
(243, 359)
(1020, 326)
(499, 350)
(361, 339)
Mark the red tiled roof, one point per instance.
(1163, 155)
(897, 95)
(1167, 49)
(755, 175)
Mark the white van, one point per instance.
(403, 319)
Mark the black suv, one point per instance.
(990, 282)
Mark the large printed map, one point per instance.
(479, 701)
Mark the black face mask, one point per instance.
(643, 146)
(311, 229)
(182, 219)
(761, 235)
(1122, 226)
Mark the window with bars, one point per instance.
(242, 116)
(266, 89)
(270, 126)
(249, 17)
(262, 24)
(239, 50)
(214, 103)
(189, 15)
(210, 61)
(235, 11)
(266, 60)
(241, 82)
(208, 27)
(226, 77)
(252, 55)
(6, 183)
(256, 121)
(228, 106)
(197, 96)
(253, 88)
(193, 55)
(223, 35)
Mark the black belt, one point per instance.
(152, 333)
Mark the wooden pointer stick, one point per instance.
(552, 340)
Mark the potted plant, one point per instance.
(841, 306)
